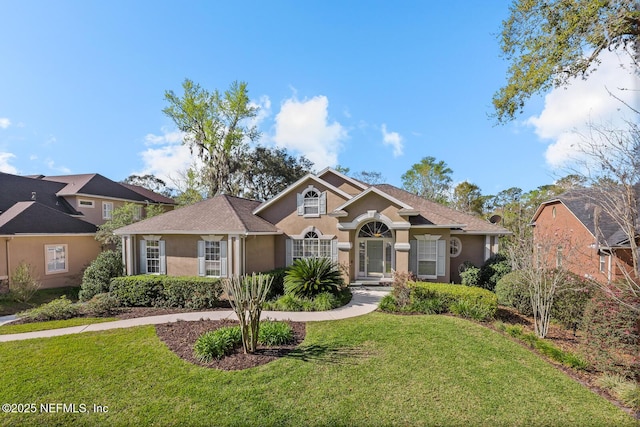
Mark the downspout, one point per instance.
(7, 240)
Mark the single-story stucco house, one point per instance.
(370, 230)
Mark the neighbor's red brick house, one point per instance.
(582, 237)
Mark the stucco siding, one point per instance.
(473, 247)
(80, 251)
(260, 253)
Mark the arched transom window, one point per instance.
(311, 246)
(312, 202)
(375, 229)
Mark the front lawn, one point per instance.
(9, 306)
(377, 369)
(10, 328)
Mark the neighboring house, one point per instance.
(50, 222)
(369, 230)
(581, 237)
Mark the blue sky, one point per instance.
(371, 86)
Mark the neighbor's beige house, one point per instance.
(50, 222)
(369, 230)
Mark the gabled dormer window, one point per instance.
(312, 202)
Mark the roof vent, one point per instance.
(33, 195)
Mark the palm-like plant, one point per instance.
(308, 277)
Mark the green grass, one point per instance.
(53, 324)
(8, 306)
(377, 369)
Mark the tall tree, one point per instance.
(369, 177)
(268, 171)
(124, 215)
(150, 182)
(429, 179)
(468, 198)
(190, 189)
(217, 126)
(550, 42)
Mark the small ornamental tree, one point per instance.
(247, 295)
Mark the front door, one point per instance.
(375, 258)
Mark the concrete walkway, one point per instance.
(363, 301)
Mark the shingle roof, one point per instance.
(220, 214)
(37, 218)
(14, 189)
(432, 213)
(582, 202)
(150, 195)
(94, 185)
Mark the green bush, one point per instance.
(308, 277)
(216, 344)
(612, 332)
(470, 275)
(321, 302)
(194, 293)
(512, 291)
(434, 298)
(277, 285)
(627, 391)
(100, 305)
(98, 274)
(275, 333)
(493, 270)
(388, 304)
(570, 303)
(23, 284)
(58, 309)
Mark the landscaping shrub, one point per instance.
(569, 304)
(321, 302)
(324, 301)
(627, 391)
(58, 309)
(470, 275)
(388, 304)
(194, 293)
(23, 284)
(216, 344)
(434, 298)
(512, 291)
(401, 291)
(493, 270)
(277, 285)
(308, 277)
(100, 305)
(612, 333)
(97, 276)
(275, 333)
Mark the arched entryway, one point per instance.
(376, 256)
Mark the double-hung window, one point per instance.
(311, 246)
(428, 255)
(312, 202)
(107, 210)
(212, 257)
(56, 256)
(152, 255)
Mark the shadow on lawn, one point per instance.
(329, 354)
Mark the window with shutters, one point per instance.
(153, 256)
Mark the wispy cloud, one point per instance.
(393, 139)
(4, 122)
(304, 127)
(4, 163)
(166, 157)
(168, 137)
(51, 164)
(568, 111)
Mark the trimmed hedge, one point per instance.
(166, 291)
(432, 298)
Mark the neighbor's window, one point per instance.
(86, 203)
(107, 210)
(137, 213)
(559, 257)
(56, 258)
(603, 264)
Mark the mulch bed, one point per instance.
(180, 337)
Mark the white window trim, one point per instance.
(440, 257)
(107, 213)
(161, 254)
(322, 202)
(458, 243)
(222, 249)
(91, 204)
(66, 259)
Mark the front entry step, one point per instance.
(383, 281)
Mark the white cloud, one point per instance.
(567, 111)
(166, 157)
(303, 126)
(4, 122)
(393, 139)
(61, 169)
(264, 110)
(4, 163)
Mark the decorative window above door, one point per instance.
(375, 229)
